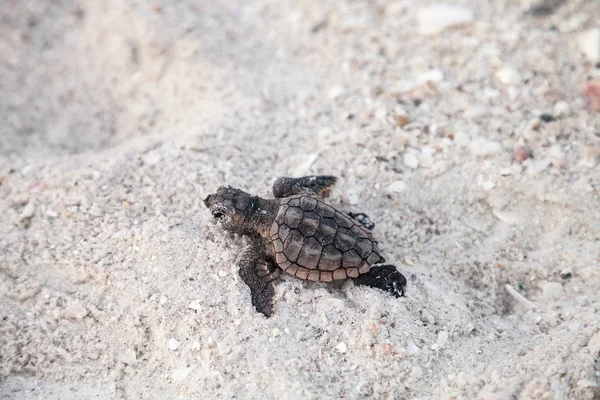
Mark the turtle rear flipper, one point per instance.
(384, 277)
(313, 185)
(259, 274)
(363, 219)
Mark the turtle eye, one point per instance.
(217, 215)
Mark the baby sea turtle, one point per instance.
(299, 233)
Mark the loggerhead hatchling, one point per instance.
(298, 233)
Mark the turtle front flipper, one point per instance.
(313, 185)
(259, 273)
(384, 277)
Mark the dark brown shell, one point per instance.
(312, 240)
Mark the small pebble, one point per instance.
(182, 373)
(508, 76)
(196, 345)
(397, 187)
(417, 373)
(173, 344)
(77, 311)
(488, 185)
(376, 91)
(341, 347)
(401, 120)
(589, 43)
(483, 147)
(335, 92)
(547, 118)
(28, 211)
(411, 348)
(151, 158)
(475, 111)
(562, 109)
(537, 167)
(129, 357)
(553, 289)
(52, 214)
(433, 75)
(195, 305)
(442, 339)
(521, 154)
(590, 153)
(586, 383)
(507, 216)
(425, 160)
(566, 273)
(591, 90)
(411, 160)
(353, 199)
(276, 332)
(438, 17)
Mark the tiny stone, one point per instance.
(589, 43)
(521, 154)
(335, 92)
(483, 147)
(411, 160)
(397, 187)
(51, 213)
(425, 160)
(488, 185)
(566, 273)
(182, 373)
(341, 347)
(417, 373)
(28, 211)
(163, 300)
(195, 305)
(129, 357)
(430, 319)
(77, 311)
(508, 76)
(276, 332)
(592, 94)
(411, 348)
(173, 344)
(196, 345)
(438, 17)
(553, 289)
(401, 120)
(537, 167)
(442, 339)
(547, 118)
(433, 75)
(507, 216)
(586, 383)
(353, 199)
(376, 91)
(591, 152)
(151, 158)
(562, 108)
(475, 111)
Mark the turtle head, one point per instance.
(231, 207)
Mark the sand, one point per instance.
(471, 148)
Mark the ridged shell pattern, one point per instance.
(312, 240)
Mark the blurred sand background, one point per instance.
(472, 147)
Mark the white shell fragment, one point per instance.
(438, 17)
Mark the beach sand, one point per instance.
(472, 148)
